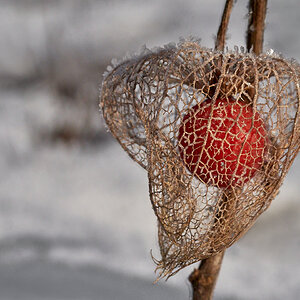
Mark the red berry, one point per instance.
(222, 144)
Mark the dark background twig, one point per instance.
(256, 25)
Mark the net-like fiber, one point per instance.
(216, 132)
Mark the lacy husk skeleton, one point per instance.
(144, 100)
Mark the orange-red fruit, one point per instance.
(223, 143)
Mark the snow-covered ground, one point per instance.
(75, 218)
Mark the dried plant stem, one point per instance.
(205, 277)
(256, 25)
(221, 36)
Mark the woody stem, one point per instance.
(256, 25)
(221, 36)
(203, 279)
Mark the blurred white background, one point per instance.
(75, 218)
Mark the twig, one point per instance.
(256, 25)
(205, 277)
(221, 36)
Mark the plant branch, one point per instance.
(221, 36)
(204, 278)
(256, 25)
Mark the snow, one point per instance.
(75, 219)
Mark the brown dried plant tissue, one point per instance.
(145, 98)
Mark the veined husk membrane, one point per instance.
(144, 100)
